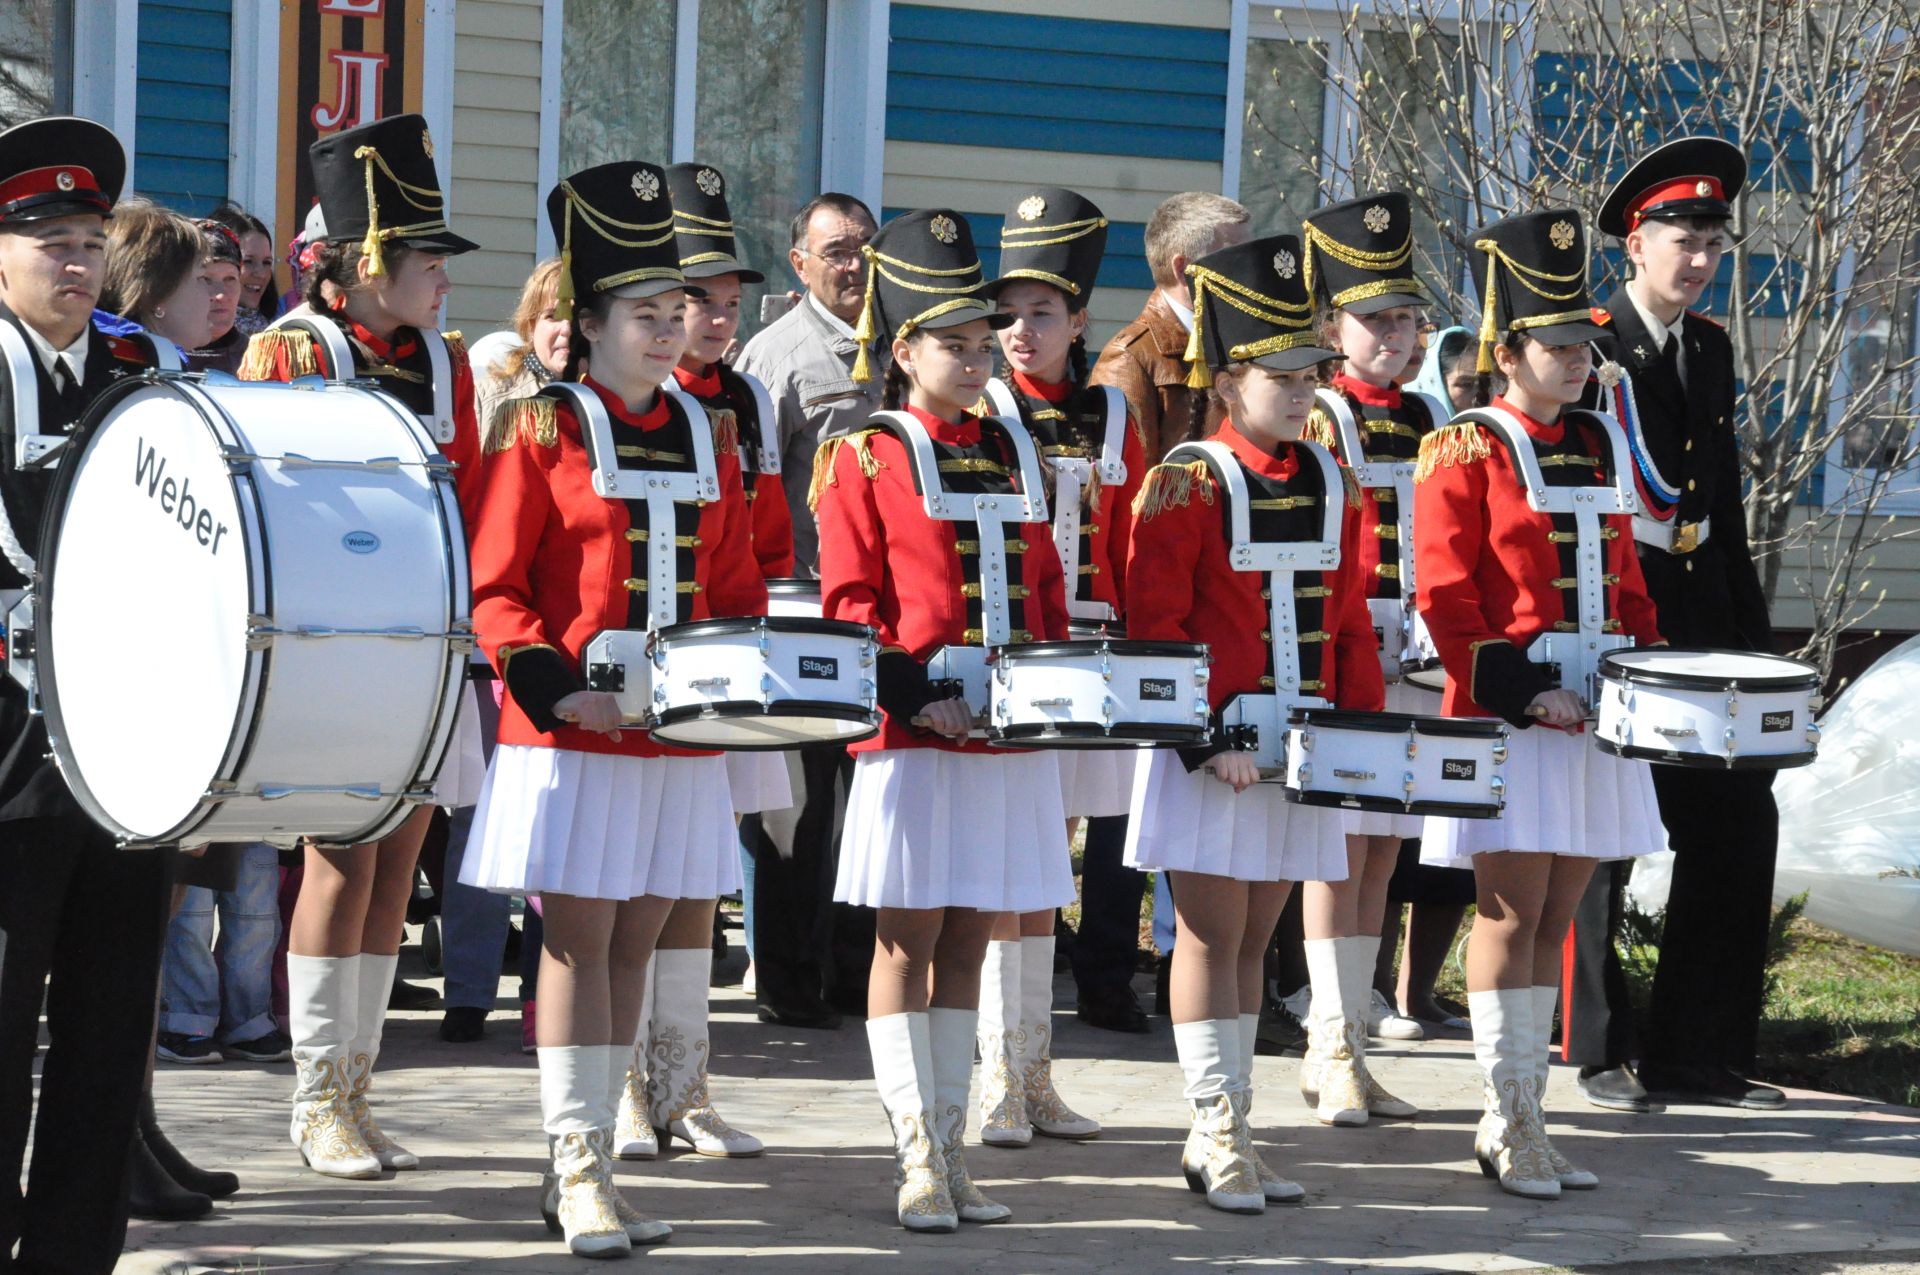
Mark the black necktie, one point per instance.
(1670, 356)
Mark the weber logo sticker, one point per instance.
(1160, 688)
(1458, 768)
(820, 667)
(1774, 723)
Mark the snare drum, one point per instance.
(1099, 693)
(1396, 762)
(794, 597)
(763, 682)
(1719, 710)
(265, 638)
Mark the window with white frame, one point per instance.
(36, 41)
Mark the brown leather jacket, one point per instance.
(1144, 362)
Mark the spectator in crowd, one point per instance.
(220, 274)
(259, 293)
(152, 274)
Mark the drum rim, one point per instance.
(830, 710)
(1388, 806)
(728, 625)
(1086, 735)
(1357, 719)
(1115, 630)
(1706, 761)
(792, 584)
(1783, 681)
(1092, 646)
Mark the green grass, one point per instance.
(1843, 1017)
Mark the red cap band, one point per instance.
(1673, 191)
(60, 179)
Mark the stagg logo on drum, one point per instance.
(360, 542)
(1458, 768)
(1160, 688)
(1774, 723)
(820, 667)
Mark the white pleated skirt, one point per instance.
(1185, 821)
(1402, 697)
(596, 826)
(928, 828)
(1096, 781)
(762, 781)
(464, 773)
(1564, 796)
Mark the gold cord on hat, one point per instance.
(868, 329)
(425, 198)
(1064, 232)
(1258, 305)
(1526, 276)
(1360, 259)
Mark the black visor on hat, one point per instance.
(1687, 177)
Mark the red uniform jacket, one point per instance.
(721, 389)
(552, 561)
(884, 563)
(1068, 423)
(1390, 430)
(1493, 574)
(1182, 587)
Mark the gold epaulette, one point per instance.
(1457, 444)
(823, 462)
(1352, 484)
(456, 346)
(265, 349)
(983, 408)
(726, 432)
(1169, 485)
(1319, 429)
(535, 419)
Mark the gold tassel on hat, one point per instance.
(370, 246)
(1489, 321)
(563, 294)
(865, 332)
(1199, 378)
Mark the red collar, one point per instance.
(964, 433)
(1363, 392)
(699, 384)
(1051, 391)
(1281, 467)
(1535, 429)
(390, 353)
(653, 418)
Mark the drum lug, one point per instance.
(1498, 786)
(869, 690)
(221, 790)
(1813, 735)
(1730, 737)
(1304, 776)
(766, 682)
(868, 654)
(1413, 745)
(1733, 701)
(1500, 750)
(1306, 741)
(1406, 786)
(765, 642)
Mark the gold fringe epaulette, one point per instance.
(1169, 485)
(983, 407)
(726, 432)
(1461, 443)
(456, 347)
(1319, 429)
(265, 349)
(823, 462)
(535, 419)
(1352, 483)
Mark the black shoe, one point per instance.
(1712, 1086)
(1615, 1088)
(819, 1017)
(153, 1195)
(269, 1047)
(407, 995)
(215, 1184)
(1114, 1009)
(463, 1024)
(1279, 1032)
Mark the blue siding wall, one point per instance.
(185, 74)
(1056, 84)
(1123, 266)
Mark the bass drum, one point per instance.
(253, 612)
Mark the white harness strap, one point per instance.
(768, 461)
(660, 489)
(441, 424)
(339, 349)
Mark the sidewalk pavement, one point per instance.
(1830, 1175)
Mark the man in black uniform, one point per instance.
(1676, 400)
(80, 921)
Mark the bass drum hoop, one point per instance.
(867, 724)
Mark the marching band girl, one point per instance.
(1499, 580)
(1050, 249)
(942, 832)
(606, 826)
(1233, 845)
(374, 292)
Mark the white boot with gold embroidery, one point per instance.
(577, 1194)
(1276, 1188)
(1218, 1157)
(633, 1136)
(950, 1034)
(322, 1001)
(1358, 956)
(1003, 1104)
(1546, 999)
(1048, 1114)
(902, 1049)
(376, 985)
(677, 1101)
(1330, 1076)
(1509, 1143)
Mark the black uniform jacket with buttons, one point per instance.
(1712, 596)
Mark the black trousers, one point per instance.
(1107, 946)
(805, 949)
(81, 925)
(1596, 1018)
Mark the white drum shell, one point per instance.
(1055, 692)
(1411, 771)
(784, 599)
(1707, 724)
(769, 663)
(281, 659)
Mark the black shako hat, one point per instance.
(703, 225)
(922, 272)
(87, 180)
(1687, 177)
(376, 183)
(1251, 305)
(615, 227)
(1052, 235)
(1531, 274)
(1360, 254)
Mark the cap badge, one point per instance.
(1704, 189)
(426, 142)
(1562, 235)
(943, 229)
(1032, 207)
(646, 185)
(1284, 264)
(63, 179)
(708, 181)
(1377, 219)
